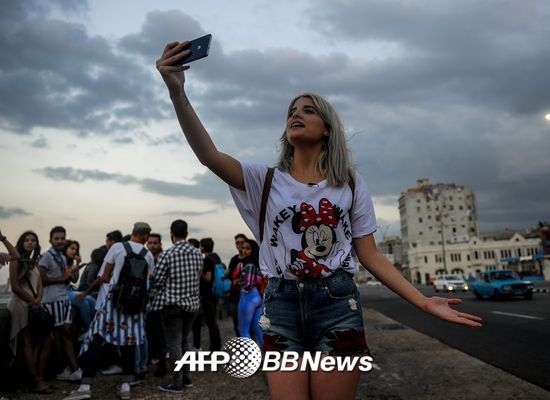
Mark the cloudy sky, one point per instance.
(451, 91)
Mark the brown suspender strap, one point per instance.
(265, 196)
(351, 184)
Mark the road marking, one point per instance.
(515, 315)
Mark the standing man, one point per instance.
(55, 278)
(156, 338)
(176, 280)
(111, 324)
(233, 273)
(208, 300)
(112, 238)
(154, 245)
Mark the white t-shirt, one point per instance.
(308, 229)
(116, 256)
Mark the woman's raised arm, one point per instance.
(223, 165)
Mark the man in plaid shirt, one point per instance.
(176, 283)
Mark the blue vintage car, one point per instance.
(502, 283)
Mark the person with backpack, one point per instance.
(208, 299)
(120, 319)
(318, 213)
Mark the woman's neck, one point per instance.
(304, 166)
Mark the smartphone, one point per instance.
(199, 49)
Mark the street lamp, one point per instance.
(441, 225)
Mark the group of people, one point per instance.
(90, 329)
(310, 212)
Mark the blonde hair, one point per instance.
(334, 161)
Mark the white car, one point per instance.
(450, 283)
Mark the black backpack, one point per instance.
(130, 292)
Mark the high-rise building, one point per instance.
(436, 215)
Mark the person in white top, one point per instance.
(318, 211)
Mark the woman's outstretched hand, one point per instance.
(440, 307)
(173, 75)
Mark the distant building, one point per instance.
(519, 251)
(435, 215)
(440, 234)
(392, 248)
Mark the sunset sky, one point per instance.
(456, 92)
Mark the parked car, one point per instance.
(450, 283)
(502, 283)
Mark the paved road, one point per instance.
(515, 335)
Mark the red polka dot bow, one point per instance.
(324, 217)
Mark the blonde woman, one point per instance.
(318, 209)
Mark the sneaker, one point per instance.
(75, 376)
(139, 378)
(124, 392)
(112, 370)
(64, 376)
(79, 395)
(170, 388)
(186, 382)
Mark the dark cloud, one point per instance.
(123, 140)
(7, 212)
(40, 143)
(490, 53)
(204, 187)
(460, 100)
(58, 76)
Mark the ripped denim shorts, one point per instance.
(321, 314)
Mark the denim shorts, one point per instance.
(315, 315)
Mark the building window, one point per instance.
(468, 257)
(417, 209)
(420, 220)
(476, 255)
(425, 259)
(519, 252)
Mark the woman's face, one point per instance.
(247, 249)
(29, 244)
(72, 250)
(304, 124)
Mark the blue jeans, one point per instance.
(142, 356)
(250, 308)
(314, 314)
(85, 307)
